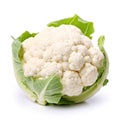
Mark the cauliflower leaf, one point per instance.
(25, 36)
(85, 26)
(48, 90)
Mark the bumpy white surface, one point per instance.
(65, 51)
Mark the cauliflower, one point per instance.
(60, 65)
(65, 51)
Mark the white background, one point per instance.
(16, 16)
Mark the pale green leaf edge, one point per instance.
(18, 74)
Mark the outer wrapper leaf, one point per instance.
(16, 46)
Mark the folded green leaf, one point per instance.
(48, 90)
(16, 48)
(85, 26)
(25, 35)
(101, 40)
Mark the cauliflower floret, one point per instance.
(65, 51)
(72, 85)
(86, 41)
(47, 54)
(65, 66)
(88, 74)
(87, 59)
(60, 51)
(96, 56)
(33, 66)
(51, 68)
(27, 56)
(27, 43)
(80, 49)
(76, 61)
(68, 34)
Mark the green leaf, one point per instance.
(25, 35)
(105, 82)
(101, 40)
(48, 90)
(85, 26)
(18, 69)
(64, 101)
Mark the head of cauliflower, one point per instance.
(65, 51)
